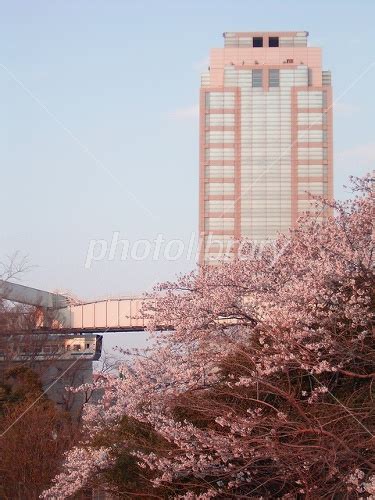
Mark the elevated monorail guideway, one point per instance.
(32, 296)
(123, 314)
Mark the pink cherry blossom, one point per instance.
(262, 387)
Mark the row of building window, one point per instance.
(227, 120)
(271, 212)
(263, 152)
(246, 40)
(218, 188)
(273, 78)
(228, 206)
(255, 41)
(269, 138)
(311, 99)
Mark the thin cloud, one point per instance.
(188, 113)
(363, 154)
(201, 65)
(345, 109)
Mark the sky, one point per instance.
(99, 126)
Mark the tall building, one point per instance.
(265, 137)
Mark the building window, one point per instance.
(274, 78)
(309, 77)
(325, 100)
(258, 41)
(273, 41)
(257, 80)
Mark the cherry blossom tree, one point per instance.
(264, 387)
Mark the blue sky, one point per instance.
(99, 109)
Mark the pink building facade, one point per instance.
(265, 138)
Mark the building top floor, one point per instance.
(267, 39)
(268, 50)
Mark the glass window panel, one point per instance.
(257, 78)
